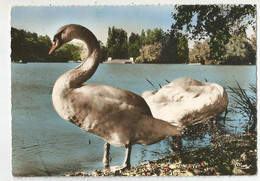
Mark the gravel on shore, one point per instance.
(227, 155)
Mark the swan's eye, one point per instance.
(55, 40)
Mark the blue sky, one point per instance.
(47, 20)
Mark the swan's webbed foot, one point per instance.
(126, 166)
(114, 169)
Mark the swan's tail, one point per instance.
(174, 130)
(167, 128)
(152, 130)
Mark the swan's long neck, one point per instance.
(77, 76)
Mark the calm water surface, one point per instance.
(45, 144)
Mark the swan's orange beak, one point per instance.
(54, 46)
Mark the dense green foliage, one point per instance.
(150, 53)
(239, 49)
(134, 45)
(103, 51)
(29, 47)
(68, 52)
(155, 46)
(152, 36)
(144, 48)
(214, 21)
(117, 46)
(200, 53)
(150, 46)
(175, 48)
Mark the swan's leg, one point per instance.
(128, 148)
(106, 155)
(126, 164)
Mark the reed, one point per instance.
(246, 104)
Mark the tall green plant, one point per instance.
(246, 104)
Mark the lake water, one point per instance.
(45, 144)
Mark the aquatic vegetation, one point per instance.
(246, 104)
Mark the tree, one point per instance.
(142, 38)
(29, 47)
(117, 43)
(252, 40)
(103, 51)
(149, 46)
(68, 52)
(153, 36)
(17, 45)
(213, 21)
(239, 49)
(42, 47)
(175, 48)
(150, 54)
(182, 49)
(252, 45)
(134, 45)
(200, 53)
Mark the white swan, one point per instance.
(186, 101)
(120, 117)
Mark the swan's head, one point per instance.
(64, 35)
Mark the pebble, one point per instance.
(178, 167)
(172, 166)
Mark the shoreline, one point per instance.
(227, 155)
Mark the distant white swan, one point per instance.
(186, 101)
(120, 117)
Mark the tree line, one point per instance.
(219, 32)
(151, 46)
(29, 47)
